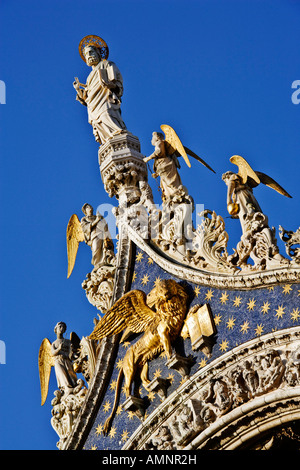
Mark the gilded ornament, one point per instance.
(95, 41)
(160, 324)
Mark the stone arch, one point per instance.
(220, 409)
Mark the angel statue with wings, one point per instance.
(59, 355)
(257, 238)
(93, 230)
(166, 164)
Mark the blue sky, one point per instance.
(219, 71)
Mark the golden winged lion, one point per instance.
(160, 316)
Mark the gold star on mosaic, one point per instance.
(106, 406)
(251, 304)
(209, 294)
(245, 327)
(119, 410)
(113, 385)
(139, 257)
(259, 330)
(295, 314)
(151, 396)
(156, 282)
(270, 289)
(94, 447)
(112, 432)
(237, 301)
(218, 319)
(130, 415)
(286, 289)
(224, 345)
(134, 277)
(157, 373)
(265, 307)
(224, 298)
(197, 291)
(124, 435)
(230, 323)
(170, 378)
(126, 344)
(99, 429)
(280, 311)
(202, 363)
(145, 279)
(183, 379)
(120, 364)
(299, 293)
(150, 261)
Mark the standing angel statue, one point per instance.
(93, 230)
(103, 89)
(258, 239)
(167, 150)
(240, 198)
(59, 355)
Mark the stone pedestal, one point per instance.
(181, 364)
(122, 168)
(159, 386)
(136, 405)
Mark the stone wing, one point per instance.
(130, 311)
(46, 361)
(75, 235)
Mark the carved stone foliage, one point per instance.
(210, 244)
(122, 168)
(65, 410)
(292, 243)
(258, 243)
(86, 361)
(99, 285)
(217, 394)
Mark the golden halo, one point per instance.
(94, 41)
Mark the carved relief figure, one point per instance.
(292, 242)
(160, 316)
(103, 90)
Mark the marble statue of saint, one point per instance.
(103, 90)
